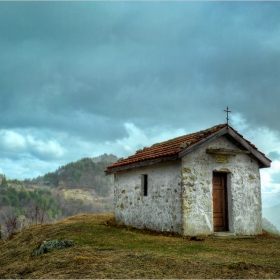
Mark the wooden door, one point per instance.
(220, 214)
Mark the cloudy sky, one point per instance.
(79, 79)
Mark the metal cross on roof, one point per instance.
(228, 111)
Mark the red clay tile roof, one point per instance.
(173, 147)
(167, 148)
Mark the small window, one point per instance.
(144, 184)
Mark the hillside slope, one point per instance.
(268, 226)
(101, 251)
(78, 187)
(272, 214)
(86, 173)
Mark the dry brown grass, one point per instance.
(119, 252)
(84, 195)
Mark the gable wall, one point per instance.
(244, 192)
(161, 209)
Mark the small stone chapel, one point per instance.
(198, 184)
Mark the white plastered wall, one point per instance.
(244, 191)
(161, 209)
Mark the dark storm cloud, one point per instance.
(80, 78)
(88, 67)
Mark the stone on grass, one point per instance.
(50, 245)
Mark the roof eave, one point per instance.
(140, 164)
(264, 162)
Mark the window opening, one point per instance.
(145, 184)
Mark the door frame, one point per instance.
(226, 192)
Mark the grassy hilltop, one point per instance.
(102, 251)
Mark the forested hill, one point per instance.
(87, 173)
(77, 187)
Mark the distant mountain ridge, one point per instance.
(78, 187)
(105, 158)
(268, 226)
(273, 215)
(86, 173)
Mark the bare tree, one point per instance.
(10, 221)
(34, 214)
